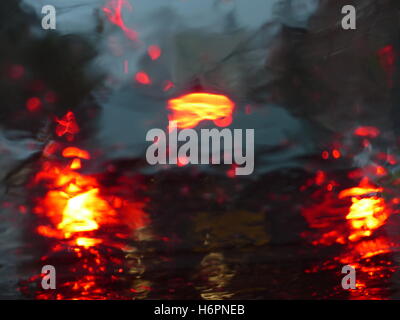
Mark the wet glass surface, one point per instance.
(78, 194)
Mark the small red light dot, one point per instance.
(142, 78)
(154, 52)
(325, 155)
(380, 171)
(33, 104)
(336, 154)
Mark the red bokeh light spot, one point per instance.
(154, 52)
(336, 154)
(370, 132)
(325, 155)
(142, 77)
(33, 104)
